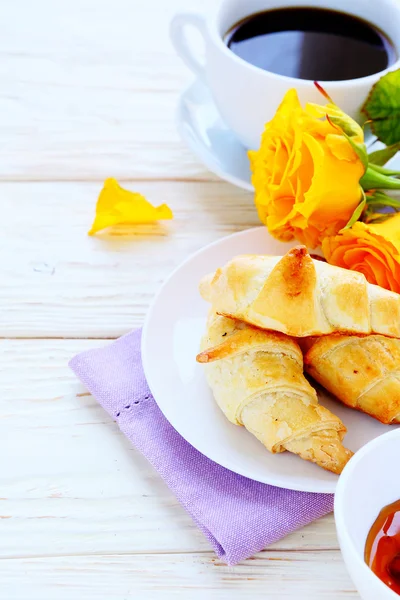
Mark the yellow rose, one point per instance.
(372, 249)
(306, 173)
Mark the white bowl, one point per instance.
(369, 482)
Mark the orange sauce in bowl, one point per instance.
(382, 548)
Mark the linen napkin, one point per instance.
(237, 515)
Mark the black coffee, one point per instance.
(311, 43)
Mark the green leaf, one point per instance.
(379, 198)
(385, 171)
(381, 157)
(356, 214)
(373, 180)
(382, 108)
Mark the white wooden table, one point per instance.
(88, 91)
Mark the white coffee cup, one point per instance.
(247, 96)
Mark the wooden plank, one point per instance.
(58, 282)
(72, 484)
(90, 91)
(300, 575)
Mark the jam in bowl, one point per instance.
(367, 516)
(382, 549)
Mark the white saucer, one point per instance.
(170, 342)
(203, 130)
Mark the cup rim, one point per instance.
(341, 83)
(339, 505)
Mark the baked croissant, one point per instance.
(362, 372)
(300, 296)
(257, 379)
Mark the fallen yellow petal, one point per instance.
(116, 206)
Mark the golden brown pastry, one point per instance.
(361, 371)
(300, 296)
(257, 379)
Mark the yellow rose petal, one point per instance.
(116, 206)
(340, 147)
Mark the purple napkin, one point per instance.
(238, 516)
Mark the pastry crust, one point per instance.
(361, 371)
(258, 382)
(299, 296)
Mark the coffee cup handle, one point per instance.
(180, 41)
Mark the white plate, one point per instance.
(170, 342)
